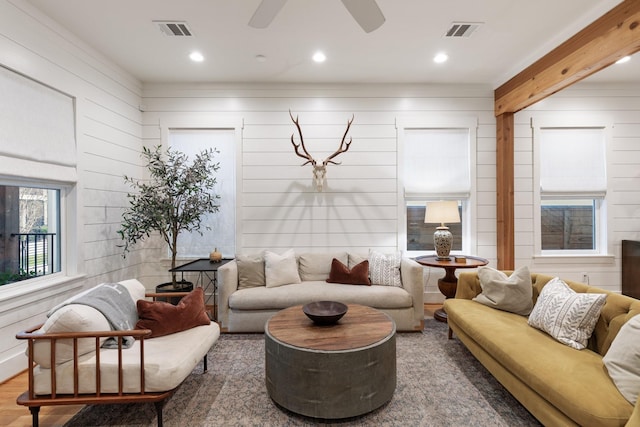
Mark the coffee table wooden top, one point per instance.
(360, 327)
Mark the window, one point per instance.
(37, 201)
(30, 232)
(436, 165)
(572, 190)
(220, 227)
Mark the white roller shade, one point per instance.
(573, 161)
(223, 223)
(437, 163)
(37, 128)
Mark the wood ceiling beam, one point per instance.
(609, 38)
(612, 36)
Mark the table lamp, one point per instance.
(444, 211)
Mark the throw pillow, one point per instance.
(622, 358)
(508, 293)
(566, 315)
(358, 275)
(250, 271)
(385, 269)
(280, 269)
(164, 318)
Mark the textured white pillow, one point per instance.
(566, 315)
(385, 269)
(622, 360)
(280, 269)
(509, 293)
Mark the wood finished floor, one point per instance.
(14, 415)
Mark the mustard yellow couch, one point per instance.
(559, 385)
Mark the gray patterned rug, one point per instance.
(439, 384)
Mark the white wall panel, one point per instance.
(108, 138)
(620, 105)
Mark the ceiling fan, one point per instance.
(367, 13)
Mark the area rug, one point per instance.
(439, 383)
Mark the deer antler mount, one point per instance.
(319, 170)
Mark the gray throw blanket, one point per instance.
(114, 302)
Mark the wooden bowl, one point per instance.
(325, 312)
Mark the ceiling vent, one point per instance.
(174, 28)
(462, 29)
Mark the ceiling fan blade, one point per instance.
(266, 11)
(367, 13)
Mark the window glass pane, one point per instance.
(568, 224)
(29, 232)
(420, 235)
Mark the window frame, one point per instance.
(601, 219)
(468, 202)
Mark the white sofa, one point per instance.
(248, 309)
(69, 375)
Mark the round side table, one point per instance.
(449, 283)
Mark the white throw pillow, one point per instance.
(622, 359)
(385, 269)
(280, 269)
(566, 315)
(508, 293)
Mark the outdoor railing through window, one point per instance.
(35, 253)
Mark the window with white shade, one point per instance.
(436, 164)
(39, 158)
(218, 230)
(571, 169)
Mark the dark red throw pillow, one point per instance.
(358, 275)
(164, 318)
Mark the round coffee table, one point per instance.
(330, 372)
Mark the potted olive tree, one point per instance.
(177, 194)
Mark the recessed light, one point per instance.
(623, 60)
(196, 57)
(440, 58)
(319, 57)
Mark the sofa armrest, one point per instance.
(468, 285)
(227, 284)
(634, 420)
(413, 281)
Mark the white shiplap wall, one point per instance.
(358, 210)
(108, 123)
(621, 105)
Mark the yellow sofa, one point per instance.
(559, 385)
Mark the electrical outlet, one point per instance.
(585, 278)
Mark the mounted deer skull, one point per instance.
(319, 171)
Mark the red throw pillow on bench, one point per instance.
(164, 318)
(358, 275)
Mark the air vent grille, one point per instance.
(174, 28)
(462, 29)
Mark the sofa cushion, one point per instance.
(280, 269)
(622, 359)
(358, 275)
(164, 318)
(250, 271)
(512, 293)
(566, 315)
(385, 269)
(306, 292)
(317, 266)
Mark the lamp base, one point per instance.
(442, 240)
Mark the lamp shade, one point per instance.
(444, 211)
